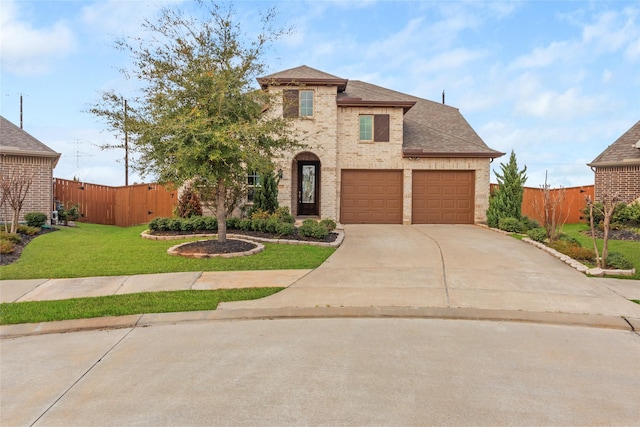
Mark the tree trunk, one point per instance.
(221, 193)
(14, 220)
(605, 237)
(593, 234)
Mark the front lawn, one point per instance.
(630, 249)
(122, 305)
(101, 250)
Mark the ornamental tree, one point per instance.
(199, 116)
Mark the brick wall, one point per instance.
(623, 181)
(40, 195)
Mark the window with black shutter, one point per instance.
(381, 128)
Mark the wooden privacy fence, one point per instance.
(121, 206)
(574, 201)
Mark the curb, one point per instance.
(147, 320)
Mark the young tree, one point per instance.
(507, 199)
(551, 209)
(606, 211)
(201, 117)
(14, 187)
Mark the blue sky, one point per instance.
(555, 81)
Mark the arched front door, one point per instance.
(308, 183)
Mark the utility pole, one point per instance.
(126, 146)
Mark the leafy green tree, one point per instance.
(506, 201)
(201, 118)
(266, 195)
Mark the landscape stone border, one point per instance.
(336, 243)
(173, 250)
(598, 272)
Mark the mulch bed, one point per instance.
(6, 259)
(623, 234)
(215, 247)
(331, 237)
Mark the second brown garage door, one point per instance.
(371, 197)
(443, 197)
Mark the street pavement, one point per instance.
(403, 325)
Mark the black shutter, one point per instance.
(290, 103)
(381, 128)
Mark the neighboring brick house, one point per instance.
(617, 168)
(23, 154)
(374, 155)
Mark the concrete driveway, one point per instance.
(445, 266)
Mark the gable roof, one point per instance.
(430, 129)
(623, 152)
(15, 141)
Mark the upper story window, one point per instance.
(297, 103)
(253, 181)
(374, 128)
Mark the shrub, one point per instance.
(570, 240)
(198, 222)
(529, 223)
(29, 231)
(512, 225)
(259, 214)
(7, 247)
(233, 223)
(272, 224)
(245, 224)
(284, 215)
(311, 228)
(573, 251)
(538, 234)
(506, 201)
(285, 229)
(10, 237)
(188, 204)
(617, 260)
(187, 225)
(265, 197)
(210, 223)
(35, 219)
(174, 224)
(258, 224)
(329, 224)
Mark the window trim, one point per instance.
(382, 121)
(371, 130)
(301, 100)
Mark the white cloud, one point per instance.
(455, 58)
(557, 106)
(607, 75)
(612, 31)
(28, 50)
(545, 56)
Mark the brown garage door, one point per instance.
(443, 197)
(371, 197)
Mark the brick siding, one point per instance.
(621, 181)
(40, 196)
(332, 136)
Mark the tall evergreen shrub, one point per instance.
(506, 201)
(265, 197)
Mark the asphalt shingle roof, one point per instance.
(623, 151)
(16, 141)
(430, 128)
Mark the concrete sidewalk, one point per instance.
(84, 287)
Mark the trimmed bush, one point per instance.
(285, 229)
(537, 234)
(244, 224)
(329, 224)
(233, 223)
(283, 215)
(35, 219)
(311, 228)
(260, 214)
(617, 260)
(529, 223)
(512, 225)
(259, 224)
(174, 224)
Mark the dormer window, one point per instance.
(297, 103)
(374, 128)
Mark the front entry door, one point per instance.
(308, 187)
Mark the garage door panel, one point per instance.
(443, 197)
(377, 199)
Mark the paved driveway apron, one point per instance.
(445, 266)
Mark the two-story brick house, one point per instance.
(374, 155)
(617, 169)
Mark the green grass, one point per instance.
(630, 250)
(121, 305)
(101, 250)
